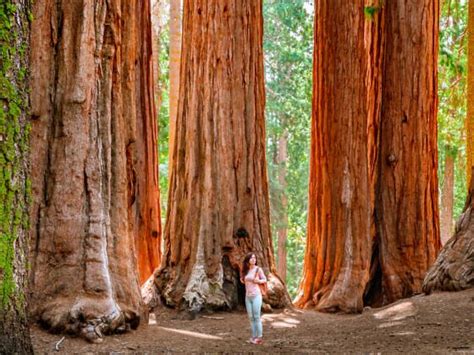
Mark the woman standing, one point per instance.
(252, 276)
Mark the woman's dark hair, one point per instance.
(246, 265)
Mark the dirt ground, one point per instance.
(440, 323)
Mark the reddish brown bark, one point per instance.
(447, 200)
(336, 265)
(94, 176)
(407, 191)
(373, 216)
(218, 200)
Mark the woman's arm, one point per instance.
(261, 276)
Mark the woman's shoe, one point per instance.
(253, 341)
(258, 341)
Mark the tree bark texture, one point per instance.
(373, 216)
(282, 230)
(174, 70)
(447, 200)
(14, 195)
(218, 198)
(95, 227)
(407, 189)
(454, 267)
(337, 255)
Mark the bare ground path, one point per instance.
(440, 323)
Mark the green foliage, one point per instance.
(288, 45)
(164, 117)
(452, 95)
(13, 143)
(370, 11)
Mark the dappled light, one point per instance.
(192, 333)
(280, 321)
(397, 312)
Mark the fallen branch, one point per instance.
(56, 347)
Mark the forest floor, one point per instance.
(440, 323)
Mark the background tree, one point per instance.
(454, 266)
(288, 47)
(218, 206)
(174, 69)
(451, 114)
(14, 185)
(94, 176)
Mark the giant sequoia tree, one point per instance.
(337, 256)
(373, 218)
(14, 32)
(218, 200)
(94, 174)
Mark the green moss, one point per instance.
(14, 137)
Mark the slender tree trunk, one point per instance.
(218, 200)
(95, 184)
(447, 199)
(14, 189)
(337, 255)
(407, 191)
(282, 157)
(175, 61)
(469, 123)
(157, 27)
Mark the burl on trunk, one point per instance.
(218, 199)
(94, 164)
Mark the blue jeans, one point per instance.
(254, 305)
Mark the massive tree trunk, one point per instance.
(454, 268)
(218, 200)
(407, 189)
(282, 230)
(373, 216)
(14, 189)
(338, 240)
(94, 176)
(447, 199)
(175, 61)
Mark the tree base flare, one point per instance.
(89, 317)
(454, 268)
